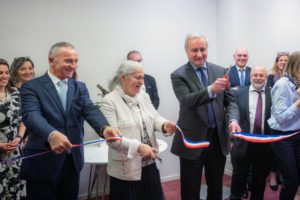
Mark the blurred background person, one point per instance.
(130, 110)
(149, 85)
(285, 119)
(276, 73)
(10, 138)
(239, 74)
(278, 68)
(21, 70)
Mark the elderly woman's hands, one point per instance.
(169, 127)
(147, 152)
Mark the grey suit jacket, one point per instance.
(242, 97)
(193, 114)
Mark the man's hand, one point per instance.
(110, 132)
(234, 127)
(218, 86)
(59, 142)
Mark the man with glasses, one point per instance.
(149, 81)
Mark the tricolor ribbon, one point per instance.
(261, 138)
(191, 144)
(74, 145)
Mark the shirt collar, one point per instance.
(54, 79)
(238, 68)
(195, 67)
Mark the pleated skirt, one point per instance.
(148, 188)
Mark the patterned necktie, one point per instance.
(242, 78)
(62, 92)
(211, 115)
(258, 114)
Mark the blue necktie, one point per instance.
(211, 115)
(242, 78)
(62, 92)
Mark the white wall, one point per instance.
(263, 27)
(103, 32)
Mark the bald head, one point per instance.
(241, 57)
(259, 76)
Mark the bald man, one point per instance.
(239, 74)
(254, 103)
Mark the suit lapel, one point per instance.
(245, 101)
(192, 74)
(50, 87)
(70, 94)
(247, 78)
(211, 75)
(268, 103)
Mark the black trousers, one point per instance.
(66, 186)
(260, 157)
(287, 155)
(191, 171)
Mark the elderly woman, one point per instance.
(278, 67)
(131, 111)
(285, 119)
(10, 137)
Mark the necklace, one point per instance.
(3, 97)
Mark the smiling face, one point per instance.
(132, 83)
(259, 77)
(282, 60)
(196, 51)
(241, 57)
(64, 63)
(4, 76)
(25, 72)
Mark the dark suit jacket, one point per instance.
(42, 113)
(234, 78)
(151, 89)
(193, 114)
(242, 96)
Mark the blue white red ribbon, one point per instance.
(191, 144)
(261, 138)
(74, 145)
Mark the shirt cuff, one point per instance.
(50, 136)
(211, 96)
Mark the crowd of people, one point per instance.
(48, 112)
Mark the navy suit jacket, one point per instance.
(234, 78)
(193, 114)
(242, 96)
(151, 89)
(42, 113)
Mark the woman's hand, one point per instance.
(16, 141)
(169, 127)
(147, 152)
(7, 147)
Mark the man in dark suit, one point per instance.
(239, 74)
(206, 109)
(254, 103)
(54, 107)
(149, 81)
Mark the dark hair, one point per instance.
(4, 62)
(15, 66)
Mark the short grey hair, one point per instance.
(56, 48)
(132, 52)
(127, 67)
(192, 36)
